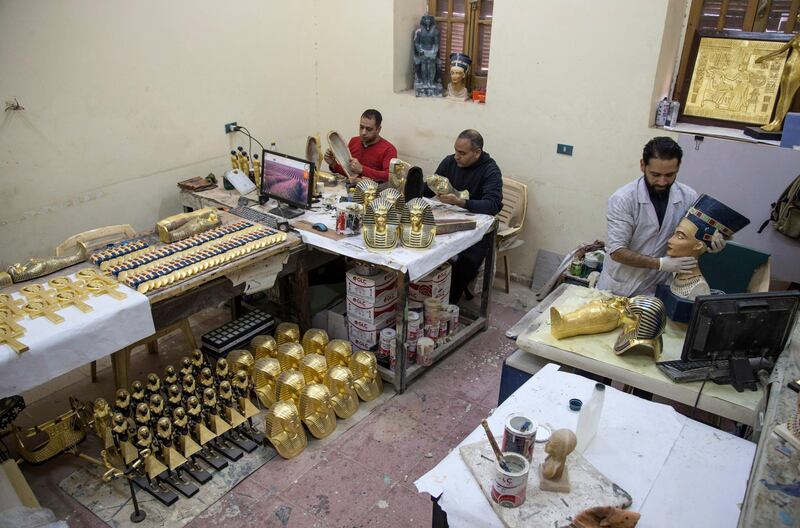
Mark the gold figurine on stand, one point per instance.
(417, 225)
(441, 185)
(183, 225)
(381, 225)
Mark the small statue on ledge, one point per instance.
(426, 49)
(459, 67)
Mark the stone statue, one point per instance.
(553, 471)
(692, 238)
(426, 49)
(459, 66)
(790, 81)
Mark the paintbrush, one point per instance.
(500, 458)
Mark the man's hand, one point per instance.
(452, 199)
(677, 264)
(717, 242)
(329, 157)
(355, 166)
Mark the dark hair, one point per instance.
(663, 148)
(374, 115)
(474, 137)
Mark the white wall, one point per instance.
(125, 99)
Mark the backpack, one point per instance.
(786, 211)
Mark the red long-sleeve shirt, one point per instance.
(374, 158)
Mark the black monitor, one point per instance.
(288, 180)
(741, 327)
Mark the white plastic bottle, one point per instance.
(589, 418)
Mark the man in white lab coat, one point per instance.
(641, 217)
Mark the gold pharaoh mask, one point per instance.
(289, 385)
(338, 352)
(644, 324)
(395, 198)
(284, 429)
(289, 356)
(316, 410)
(380, 226)
(287, 333)
(263, 346)
(265, 374)
(339, 381)
(314, 341)
(366, 191)
(240, 360)
(314, 367)
(367, 380)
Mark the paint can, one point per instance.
(519, 435)
(412, 336)
(388, 342)
(453, 311)
(425, 351)
(509, 487)
(444, 322)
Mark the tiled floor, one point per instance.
(365, 476)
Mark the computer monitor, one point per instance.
(288, 180)
(740, 327)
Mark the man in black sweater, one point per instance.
(471, 169)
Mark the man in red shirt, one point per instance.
(370, 153)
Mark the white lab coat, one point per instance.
(632, 224)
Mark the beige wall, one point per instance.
(121, 104)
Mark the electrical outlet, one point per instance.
(230, 127)
(564, 149)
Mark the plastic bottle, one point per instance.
(589, 418)
(662, 112)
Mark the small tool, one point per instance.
(500, 458)
(320, 227)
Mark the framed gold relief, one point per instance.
(726, 87)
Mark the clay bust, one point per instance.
(692, 238)
(417, 227)
(380, 227)
(284, 429)
(459, 66)
(593, 318)
(316, 410)
(553, 473)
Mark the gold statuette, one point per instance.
(366, 192)
(594, 318)
(60, 434)
(183, 225)
(38, 267)
(441, 185)
(417, 225)
(398, 172)
(381, 225)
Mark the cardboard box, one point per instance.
(366, 310)
(435, 284)
(363, 345)
(370, 287)
(385, 319)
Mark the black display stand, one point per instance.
(757, 133)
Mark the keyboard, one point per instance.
(685, 371)
(255, 216)
(237, 333)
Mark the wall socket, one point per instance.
(230, 127)
(564, 149)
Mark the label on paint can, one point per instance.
(425, 351)
(388, 343)
(509, 487)
(453, 310)
(519, 435)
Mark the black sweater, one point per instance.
(482, 179)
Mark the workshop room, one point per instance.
(560, 288)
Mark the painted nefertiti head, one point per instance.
(289, 385)
(338, 352)
(263, 346)
(313, 367)
(289, 356)
(314, 341)
(287, 333)
(316, 410)
(367, 380)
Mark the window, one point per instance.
(465, 26)
(771, 16)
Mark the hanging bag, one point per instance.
(786, 211)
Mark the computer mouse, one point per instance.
(320, 227)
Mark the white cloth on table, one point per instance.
(55, 349)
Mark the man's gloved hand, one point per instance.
(717, 242)
(676, 264)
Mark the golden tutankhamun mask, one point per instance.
(316, 410)
(263, 346)
(367, 380)
(289, 385)
(380, 226)
(284, 429)
(338, 352)
(643, 327)
(366, 191)
(289, 356)
(313, 367)
(265, 375)
(240, 360)
(593, 318)
(339, 381)
(183, 225)
(441, 185)
(287, 333)
(394, 197)
(314, 341)
(398, 172)
(417, 225)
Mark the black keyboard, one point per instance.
(256, 216)
(684, 371)
(237, 333)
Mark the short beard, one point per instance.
(658, 192)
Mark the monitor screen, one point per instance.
(742, 325)
(287, 179)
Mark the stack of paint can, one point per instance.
(388, 346)
(413, 334)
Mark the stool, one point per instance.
(121, 360)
